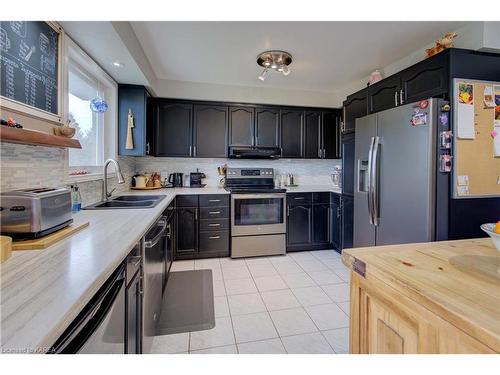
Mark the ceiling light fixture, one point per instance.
(118, 64)
(263, 75)
(276, 60)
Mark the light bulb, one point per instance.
(274, 65)
(262, 77)
(267, 63)
(285, 70)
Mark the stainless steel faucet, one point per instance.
(121, 180)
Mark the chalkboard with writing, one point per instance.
(29, 63)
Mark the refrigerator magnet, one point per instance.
(418, 118)
(423, 104)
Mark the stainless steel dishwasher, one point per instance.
(100, 327)
(154, 259)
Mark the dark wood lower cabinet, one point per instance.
(309, 221)
(187, 231)
(347, 212)
(299, 226)
(336, 222)
(202, 229)
(321, 224)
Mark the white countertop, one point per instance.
(42, 291)
(313, 188)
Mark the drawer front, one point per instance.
(214, 224)
(214, 213)
(214, 200)
(298, 198)
(211, 242)
(186, 201)
(322, 197)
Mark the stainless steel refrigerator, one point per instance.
(395, 175)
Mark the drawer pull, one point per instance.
(214, 225)
(214, 200)
(214, 237)
(299, 198)
(214, 212)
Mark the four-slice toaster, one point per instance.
(33, 213)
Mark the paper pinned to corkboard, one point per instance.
(478, 158)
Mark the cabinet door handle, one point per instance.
(214, 225)
(299, 198)
(196, 214)
(147, 148)
(214, 212)
(194, 150)
(214, 237)
(396, 98)
(401, 100)
(319, 153)
(190, 150)
(214, 200)
(287, 210)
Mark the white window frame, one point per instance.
(76, 56)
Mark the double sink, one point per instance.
(127, 201)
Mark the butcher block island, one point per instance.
(437, 297)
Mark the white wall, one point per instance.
(484, 36)
(209, 91)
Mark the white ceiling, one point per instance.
(326, 55)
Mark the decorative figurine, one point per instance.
(374, 77)
(441, 44)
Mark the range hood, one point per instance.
(241, 152)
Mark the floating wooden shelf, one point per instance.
(36, 138)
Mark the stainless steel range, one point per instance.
(258, 213)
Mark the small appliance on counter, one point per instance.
(33, 213)
(176, 179)
(195, 179)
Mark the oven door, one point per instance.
(255, 214)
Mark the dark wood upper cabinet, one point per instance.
(134, 98)
(312, 134)
(355, 106)
(385, 94)
(174, 129)
(292, 133)
(210, 131)
(241, 125)
(267, 121)
(331, 135)
(426, 79)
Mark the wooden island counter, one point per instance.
(438, 297)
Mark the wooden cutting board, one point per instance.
(44, 242)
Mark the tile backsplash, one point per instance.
(23, 166)
(307, 172)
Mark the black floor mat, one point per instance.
(188, 303)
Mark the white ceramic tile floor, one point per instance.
(311, 295)
(309, 343)
(297, 303)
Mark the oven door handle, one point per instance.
(257, 196)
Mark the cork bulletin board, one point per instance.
(476, 130)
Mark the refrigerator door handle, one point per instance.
(374, 181)
(369, 179)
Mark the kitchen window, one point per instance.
(96, 131)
